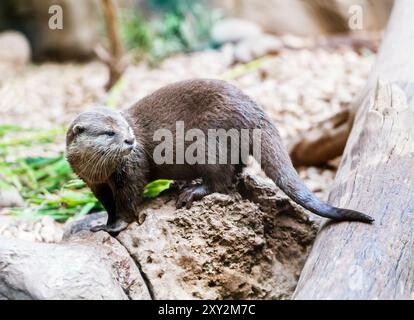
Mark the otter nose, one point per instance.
(129, 141)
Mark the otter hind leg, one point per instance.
(216, 178)
(191, 194)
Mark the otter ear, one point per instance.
(78, 128)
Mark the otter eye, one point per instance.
(109, 133)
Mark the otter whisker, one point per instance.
(99, 167)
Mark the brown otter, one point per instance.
(112, 151)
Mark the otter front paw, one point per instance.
(191, 194)
(113, 229)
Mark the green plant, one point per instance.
(154, 188)
(47, 184)
(180, 26)
(136, 33)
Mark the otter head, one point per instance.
(96, 143)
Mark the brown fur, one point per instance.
(202, 104)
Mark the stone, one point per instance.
(224, 247)
(234, 30)
(75, 39)
(257, 47)
(94, 266)
(15, 49)
(10, 198)
(308, 17)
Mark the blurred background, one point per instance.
(303, 61)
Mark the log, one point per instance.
(114, 59)
(376, 176)
(324, 142)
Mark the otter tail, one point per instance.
(277, 165)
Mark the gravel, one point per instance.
(42, 230)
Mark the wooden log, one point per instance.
(376, 176)
(326, 140)
(114, 59)
(323, 142)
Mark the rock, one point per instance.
(224, 247)
(308, 17)
(75, 39)
(234, 30)
(14, 49)
(10, 198)
(294, 42)
(48, 231)
(274, 16)
(84, 224)
(92, 266)
(126, 272)
(253, 48)
(31, 229)
(15, 54)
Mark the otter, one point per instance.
(112, 151)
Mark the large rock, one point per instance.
(92, 266)
(15, 55)
(224, 247)
(234, 30)
(10, 198)
(76, 40)
(257, 47)
(14, 49)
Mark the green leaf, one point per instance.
(154, 188)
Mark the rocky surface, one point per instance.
(94, 266)
(224, 247)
